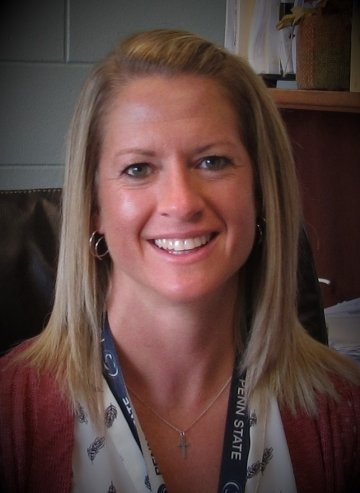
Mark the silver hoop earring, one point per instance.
(98, 246)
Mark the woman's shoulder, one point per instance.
(16, 372)
(337, 409)
(12, 368)
(343, 400)
(324, 446)
(29, 399)
(37, 422)
(345, 404)
(338, 377)
(20, 381)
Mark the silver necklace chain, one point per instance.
(183, 444)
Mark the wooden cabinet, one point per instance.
(324, 129)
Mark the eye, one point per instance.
(138, 170)
(214, 163)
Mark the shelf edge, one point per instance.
(342, 101)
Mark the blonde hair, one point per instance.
(279, 355)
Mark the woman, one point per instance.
(174, 355)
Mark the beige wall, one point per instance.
(47, 48)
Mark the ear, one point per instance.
(96, 221)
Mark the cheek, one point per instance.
(118, 211)
(239, 197)
(246, 227)
(243, 219)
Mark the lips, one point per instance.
(175, 245)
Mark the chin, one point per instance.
(191, 294)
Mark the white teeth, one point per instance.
(182, 245)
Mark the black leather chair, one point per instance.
(29, 226)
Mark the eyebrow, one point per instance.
(206, 147)
(196, 150)
(135, 150)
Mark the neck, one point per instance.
(181, 349)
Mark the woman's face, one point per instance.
(175, 190)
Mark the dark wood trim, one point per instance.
(342, 101)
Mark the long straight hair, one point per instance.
(279, 357)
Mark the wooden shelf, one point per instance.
(342, 101)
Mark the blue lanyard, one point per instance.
(114, 377)
(236, 446)
(237, 431)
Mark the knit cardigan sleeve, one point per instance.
(325, 449)
(36, 432)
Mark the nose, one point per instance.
(181, 195)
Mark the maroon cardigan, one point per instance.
(37, 437)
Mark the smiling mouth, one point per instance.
(186, 245)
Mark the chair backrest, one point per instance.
(29, 226)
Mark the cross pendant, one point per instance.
(182, 443)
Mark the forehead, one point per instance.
(151, 97)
